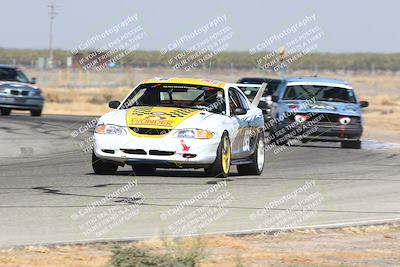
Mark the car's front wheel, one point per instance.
(222, 163)
(36, 112)
(101, 167)
(351, 144)
(5, 111)
(256, 167)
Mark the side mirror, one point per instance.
(275, 98)
(114, 104)
(364, 104)
(263, 105)
(33, 80)
(239, 111)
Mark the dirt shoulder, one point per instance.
(353, 246)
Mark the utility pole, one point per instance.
(282, 63)
(52, 14)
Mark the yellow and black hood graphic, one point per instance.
(157, 117)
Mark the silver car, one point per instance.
(18, 92)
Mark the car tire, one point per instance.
(5, 111)
(351, 144)
(101, 167)
(220, 167)
(36, 112)
(256, 167)
(141, 169)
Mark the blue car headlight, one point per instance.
(110, 129)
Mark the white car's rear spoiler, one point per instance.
(259, 94)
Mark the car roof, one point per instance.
(4, 66)
(316, 80)
(257, 79)
(203, 82)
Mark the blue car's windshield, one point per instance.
(320, 93)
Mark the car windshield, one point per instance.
(178, 95)
(251, 92)
(319, 93)
(14, 75)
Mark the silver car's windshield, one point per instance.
(320, 93)
(14, 75)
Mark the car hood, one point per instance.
(157, 117)
(324, 107)
(16, 85)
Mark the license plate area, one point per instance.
(19, 100)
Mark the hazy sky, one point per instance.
(348, 26)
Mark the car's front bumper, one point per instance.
(21, 102)
(160, 152)
(321, 131)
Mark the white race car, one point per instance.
(182, 123)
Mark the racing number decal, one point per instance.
(246, 140)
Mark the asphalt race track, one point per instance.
(48, 190)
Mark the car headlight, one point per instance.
(3, 91)
(344, 120)
(300, 118)
(110, 129)
(36, 92)
(192, 133)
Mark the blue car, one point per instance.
(316, 109)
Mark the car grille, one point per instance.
(151, 152)
(325, 118)
(150, 131)
(161, 153)
(134, 151)
(109, 151)
(17, 92)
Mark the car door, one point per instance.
(255, 123)
(242, 132)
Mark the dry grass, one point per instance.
(85, 101)
(382, 117)
(365, 83)
(356, 246)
